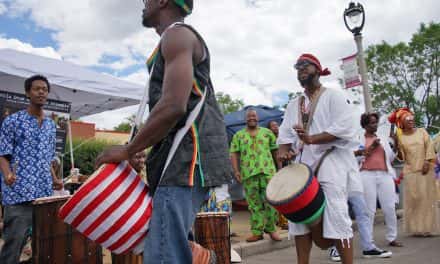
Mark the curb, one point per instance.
(245, 249)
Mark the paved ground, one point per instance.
(415, 251)
(240, 226)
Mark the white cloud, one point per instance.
(26, 47)
(3, 8)
(253, 43)
(139, 77)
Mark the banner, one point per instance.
(59, 111)
(351, 71)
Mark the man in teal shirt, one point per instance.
(253, 151)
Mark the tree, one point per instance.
(227, 104)
(407, 75)
(85, 153)
(125, 126)
(291, 97)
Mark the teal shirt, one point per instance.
(255, 152)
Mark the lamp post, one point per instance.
(354, 19)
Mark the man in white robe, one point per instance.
(332, 125)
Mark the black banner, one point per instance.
(59, 111)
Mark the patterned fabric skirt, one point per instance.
(218, 200)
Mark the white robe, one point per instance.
(339, 172)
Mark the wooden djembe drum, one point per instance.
(55, 242)
(211, 230)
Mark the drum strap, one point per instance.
(328, 151)
(306, 118)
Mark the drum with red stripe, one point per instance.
(113, 207)
(295, 192)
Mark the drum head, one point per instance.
(288, 182)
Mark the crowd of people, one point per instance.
(190, 163)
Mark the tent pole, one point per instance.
(141, 111)
(72, 162)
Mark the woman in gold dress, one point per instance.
(420, 193)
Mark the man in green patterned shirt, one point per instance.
(253, 152)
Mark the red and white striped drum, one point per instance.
(113, 207)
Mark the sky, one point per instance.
(253, 43)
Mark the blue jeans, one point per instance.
(363, 221)
(174, 212)
(17, 221)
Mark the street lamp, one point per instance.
(354, 19)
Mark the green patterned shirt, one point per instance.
(255, 152)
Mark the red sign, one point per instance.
(351, 72)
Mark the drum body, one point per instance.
(127, 259)
(295, 192)
(211, 230)
(56, 242)
(113, 207)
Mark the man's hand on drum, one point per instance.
(57, 184)
(114, 154)
(285, 153)
(306, 138)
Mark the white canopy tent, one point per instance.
(89, 92)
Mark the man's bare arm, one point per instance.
(5, 166)
(321, 138)
(177, 49)
(235, 161)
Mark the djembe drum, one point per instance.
(113, 207)
(127, 259)
(211, 230)
(296, 193)
(56, 242)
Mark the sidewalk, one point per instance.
(240, 225)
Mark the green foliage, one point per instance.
(123, 127)
(227, 104)
(407, 75)
(126, 125)
(291, 97)
(84, 154)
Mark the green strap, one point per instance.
(314, 217)
(183, 5)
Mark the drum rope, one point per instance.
(305, 117)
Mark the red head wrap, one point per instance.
(399, 115)
(313, 60)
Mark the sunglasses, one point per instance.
(301, 64)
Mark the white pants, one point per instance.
(337, 176)
(380, 184)
(336, 221)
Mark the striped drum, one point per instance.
(295, 192)
(113, 207)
